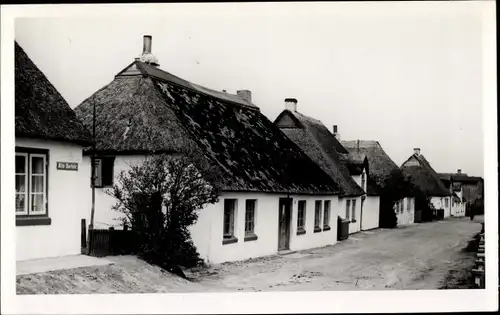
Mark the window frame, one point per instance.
(99, 167)
(228, 238)
(363, 181)
(353, 210)
(26, 185)
(348, 209)
(317, 215)
(250, 234)
(301, 221)
(326, 215)
(39, 217)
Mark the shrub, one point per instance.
(160, 199)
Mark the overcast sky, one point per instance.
(405, 74)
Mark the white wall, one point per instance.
(207, 232)
(104, 216)
(439, 203)
(458, 210)
(354, 226)
(407, 216)
(66, 205)
(370, 216)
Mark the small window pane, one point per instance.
(20, 202)
(317, 214)
(354, 209)
(20, 183)
(20, 164)
(36, 165)
(37, 203)
(37, 184)
(250, 216)
(347, 206)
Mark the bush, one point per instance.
(160, 199)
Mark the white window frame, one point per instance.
(232, 217)
(326, 213)
(254, 210)
(44, 181)
(348, 209)
(317, 213)
(353, 210)
(26, 188)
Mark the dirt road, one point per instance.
(413, 257)
(421, 256)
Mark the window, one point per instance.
(353, 210)
(326, 215)
(317, 216)
(363, 180)
(103, 171)
(446, 202)
(347, 206)
(31, 186)
(408, 204)
(250, 220)
(301, 217)
(229, 214)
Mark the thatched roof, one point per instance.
(460, 177)
(380, 165)
(40, 111)
(422, 175)
(321, 146)
(145, 109)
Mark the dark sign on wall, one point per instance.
(67, 166)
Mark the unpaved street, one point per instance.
(421, 256)
(412, 257)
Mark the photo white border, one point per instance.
(280, 302)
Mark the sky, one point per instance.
(405, 74)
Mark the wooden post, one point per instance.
(83, 240)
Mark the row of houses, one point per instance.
(283, 183)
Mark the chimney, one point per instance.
(291, 104)
(146, 48)
(416, 151)
(246, 95)
(147, 56)
(336, 132)
(459, 171)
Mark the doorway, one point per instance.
(285, 215)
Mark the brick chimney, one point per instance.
(336, 132)
(291, 104)
(459, 171)
(246, 95)
(416, 151)
(147, 56)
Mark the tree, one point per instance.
(160, 199)
(396, 188)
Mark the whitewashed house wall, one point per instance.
(371, 211)
(207, 232)
(405, 216)
(66, 194)
(354, 226)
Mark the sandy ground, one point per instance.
(421, 256)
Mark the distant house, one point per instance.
(424, 177)
(467, 191)
(324, 149)
(273, 197)
(380, 167)
(49, 177)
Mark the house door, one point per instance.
(285, 210)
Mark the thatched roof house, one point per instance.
(423, 176)
(471, 186)
(321, 146)
(380, 165)
(148, 110)
(40, 111)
